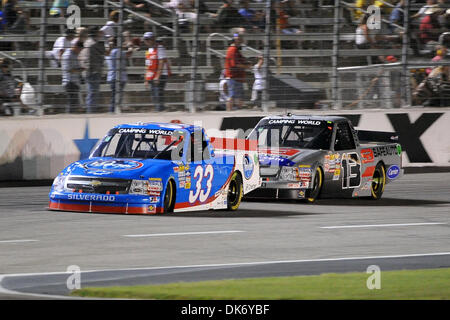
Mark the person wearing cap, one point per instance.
(157, 69)
(61, 44)
(92, 58)
(71, 75)
(235, 66)
(109, 29)
(430, 29)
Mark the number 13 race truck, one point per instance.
(148, 168)
(306, 157)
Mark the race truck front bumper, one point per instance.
(104, 203)
(279, 190)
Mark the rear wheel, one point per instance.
(378, 182)
(313, 193)
(169, 197)
(235, 192)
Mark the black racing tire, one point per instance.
(169, 197)
(378, 182)
(313, 193)
(235, 192)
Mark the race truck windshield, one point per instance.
(293, 133)
(139, 143)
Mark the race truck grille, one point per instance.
(98, 185)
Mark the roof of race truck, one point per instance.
(308, 117)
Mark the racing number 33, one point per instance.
(199, 174)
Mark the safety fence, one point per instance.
(297, 55)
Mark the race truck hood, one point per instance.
(271, 160)
(119, 168)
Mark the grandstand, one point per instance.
(313, 57)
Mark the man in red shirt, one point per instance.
(430, 28)
(235, 65)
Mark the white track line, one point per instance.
(11, 292)
(18, 241)
(178, 234)
(384, 225)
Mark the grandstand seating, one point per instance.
(311, 62)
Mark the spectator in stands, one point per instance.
(441, 52)
(421, 13)
(282, 19)
(16, 20)
(113, 70)
(235, 66)
(361, 4)
(227, 16)
(259, 84)
(7, 86)
(364, 39)
(157, 69)
(61, 44)
(223, 91)
(397, 16)
(82, 35)
(430, 29)
(142, 8)
(184, 9)
(253, 19)
(109, 29)
(92, 58)
(71, 75)
(59, 8)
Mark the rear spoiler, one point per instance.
(377, 136)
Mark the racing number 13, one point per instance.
(199, 192)
(351, 167)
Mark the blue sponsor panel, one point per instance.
(393, 172)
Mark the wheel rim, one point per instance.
(168, 196)
(233, 192)
(316, 185)
(377, 181)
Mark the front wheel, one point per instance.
(378, 182)
(235, 192)
(169, 197)
(313, 193)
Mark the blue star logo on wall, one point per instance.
(86, 144)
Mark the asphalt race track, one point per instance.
(408, 229)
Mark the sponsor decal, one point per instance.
(385, 151)
(154, 184)
(293, 185)
(393, 172)
(151, 209)
(115, 165)
(146, 131)
(90, 197)
(154, 199)
(295, 121)
(248, 166)
(301, 194)
(187, 185)
(367, 155)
